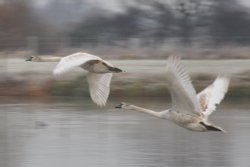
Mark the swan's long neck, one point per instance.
(151, 112)
(49, 59)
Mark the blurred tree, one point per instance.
(191, 17)
(59, 12)
(107, 29)
(17, 23)
(165, 21)
(157, 21)
(231, 23)
(148, 20)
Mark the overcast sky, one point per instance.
(245, 2)
(111, 4)
(108, 4)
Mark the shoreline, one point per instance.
(142, 78)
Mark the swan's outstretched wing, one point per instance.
(182, 92)
(99, 87)
(212, 95)
(74, 60)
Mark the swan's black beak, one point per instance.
(119, 106)
(29, 59)
(115, 69)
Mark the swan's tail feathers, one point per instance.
(212, 127)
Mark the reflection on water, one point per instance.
(61, 134)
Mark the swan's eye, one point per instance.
(104, 64)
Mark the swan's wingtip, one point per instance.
(57, 72)
(100, 104)
(173, 57)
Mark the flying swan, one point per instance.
(188, 110)
(99, 72)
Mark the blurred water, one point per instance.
(80, 134)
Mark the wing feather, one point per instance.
(73, 60)
(182, 92)
(99, 87)
(213, 95)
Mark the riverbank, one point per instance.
(142, 78)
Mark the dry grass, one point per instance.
(126, 86)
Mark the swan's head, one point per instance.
(33, 58)
(123, 105)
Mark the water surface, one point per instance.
(80, 134)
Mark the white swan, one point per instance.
(99, 72)
(188, 110)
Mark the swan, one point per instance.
(99, 72)
(189, 110)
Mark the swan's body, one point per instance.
(99, 72)
(188, 110)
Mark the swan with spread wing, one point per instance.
(99, 72)
(189, 110)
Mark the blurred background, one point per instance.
(145, 32)
(126, 27)
(121, 28)
(51, 121)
